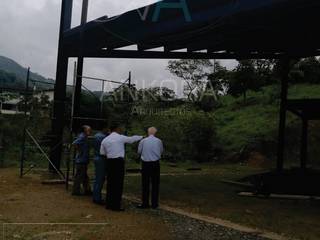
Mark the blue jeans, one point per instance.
(100, 172)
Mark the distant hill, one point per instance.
(13, 75)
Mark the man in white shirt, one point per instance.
(113, 147)
(150, 149)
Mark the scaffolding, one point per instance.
(30, 141)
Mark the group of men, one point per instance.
(109, 161)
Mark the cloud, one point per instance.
(29, 34)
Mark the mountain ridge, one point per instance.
(13, 75)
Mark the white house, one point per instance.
(49, 93)
(10, 107)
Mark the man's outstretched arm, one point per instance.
(132, 139)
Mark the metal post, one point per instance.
(129, 80)
(75, 72)
(129, 103)
(58, 121)
(101, 101)
(304, 143)
(84, 14)
(24, 134)
(285, 68)
(78, 85)
(77, 92)
(74, 153)
(72, 128)
(68, 150)
(1, 151)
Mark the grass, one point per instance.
(238, 124)
(206, 194)
(255, 123)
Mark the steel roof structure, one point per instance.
(189, 29)
(221, 28)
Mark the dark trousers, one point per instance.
(100, 176)
(115, 179)
(81, 178)
(150, 176)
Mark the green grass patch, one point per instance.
(207, 195)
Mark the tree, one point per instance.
(199, 134)
(306, 71)
(264, 69)
(218, 80)
(194, 73)
(156, 94)
(243, 78)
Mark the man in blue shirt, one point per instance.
(100, 166)
(82, 160)
(150, 149)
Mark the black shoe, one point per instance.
(101, 202)
(77, 194)
(155, 206)
(118, 209)
(108, 208)
(143, 206)
(88, 193)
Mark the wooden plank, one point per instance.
(240, 184)
(280, 196)
(53, 182)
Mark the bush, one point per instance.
(199, 134)
(187, 135)
(10, 137)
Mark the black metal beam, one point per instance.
(143, 47)
(60, 88)
(101, 80)
(213, 27)
(8, 89)
(134, 54)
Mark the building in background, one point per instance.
(10, 107)
(48, 93)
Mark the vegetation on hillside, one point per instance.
(230, 115)
(13, 75)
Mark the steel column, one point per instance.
(78, 86)
(304, 143)
(24, 135)
(58, 121)
(285, 69)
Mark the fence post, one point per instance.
(1, 152)
(23, 145)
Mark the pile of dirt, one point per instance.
(257, 160)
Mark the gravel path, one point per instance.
(185, 228)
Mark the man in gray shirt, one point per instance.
(150, 149)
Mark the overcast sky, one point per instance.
(29, 35)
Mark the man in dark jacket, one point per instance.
(100, 163)
(82, 160)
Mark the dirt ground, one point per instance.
(30, 210)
